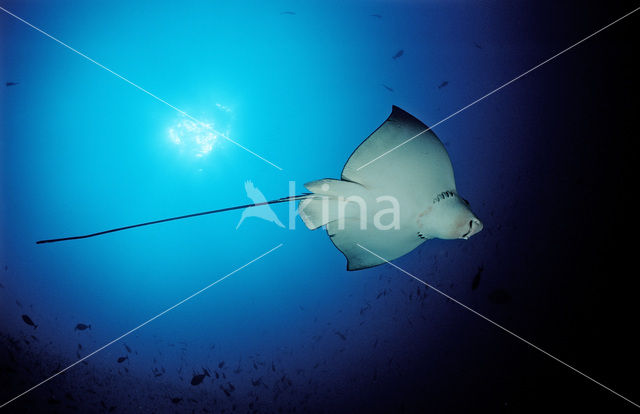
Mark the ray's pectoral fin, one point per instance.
(388, 243)
(349, 212)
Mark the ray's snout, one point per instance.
(473, 226)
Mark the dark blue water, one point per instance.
(545, 162)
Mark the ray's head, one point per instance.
(449, 217)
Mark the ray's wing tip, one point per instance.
(396, 110)
(353, 268)
(398, 113)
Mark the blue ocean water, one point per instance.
(301, 84)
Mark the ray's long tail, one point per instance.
(204, 213)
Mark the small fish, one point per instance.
(257, 382)
(477, 45)
(476, 279)
(273, 367)
(378, 16)
(82, 327)
(122, 359)
(443, 84)
(6, 267)
(176, 400)
(387, 88)
(221, 364)
(499, 297)
(288, 12)
(198, 378)
(341, 335)
(398, 54)
(12, 84)
(28, 321)
(127, 348)
(365, 308)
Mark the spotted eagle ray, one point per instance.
(401, 172)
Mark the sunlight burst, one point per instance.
(192, 137)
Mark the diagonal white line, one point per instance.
(499, 326)
(499, 88)
(137, 86)
(141, 325)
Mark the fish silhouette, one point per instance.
(476, 279)
(398, 54)
(81, 327)
(28, 321)
(198, 378)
